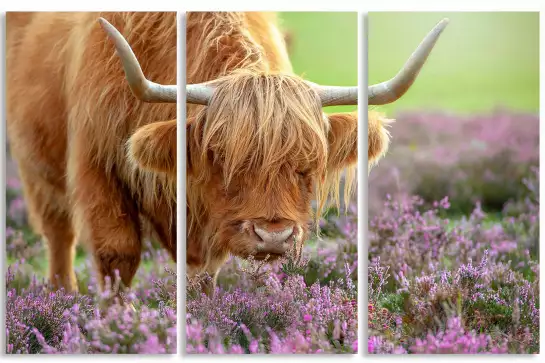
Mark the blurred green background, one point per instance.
(482, 61)
(324, 48)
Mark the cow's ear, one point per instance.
(153, 147)
(379, 138)
(343, 140)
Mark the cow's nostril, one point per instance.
(273, 237)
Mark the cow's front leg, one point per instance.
(107, 221)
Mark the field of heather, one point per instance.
(40, 320)
(306, 305)
(453, 244)
(454, 236)
(454, 206)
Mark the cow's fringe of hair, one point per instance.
(279, 119)
(219, 43)
(256, 122)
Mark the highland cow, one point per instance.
(99, 165)
(259, 145)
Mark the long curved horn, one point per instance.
(393, 89)
(199, 93)
(142, 88)
(336, 95)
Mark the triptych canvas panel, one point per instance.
(454, 205)
(274, 183)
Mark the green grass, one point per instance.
(324, 48)
(491, 220)
(40, 262)
(481, 61)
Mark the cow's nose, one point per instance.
(273, 233)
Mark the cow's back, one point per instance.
(66, 88)
(218, 43)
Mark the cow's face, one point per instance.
(257, 156)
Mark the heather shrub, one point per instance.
(522, 214)
(470, 285)
(470, 159)
(492, 181)
(305, 303)
(455, 340)
(40, 320)
(120, 330)
(36, 308)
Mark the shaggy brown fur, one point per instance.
(95, 163)
(262, 149)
